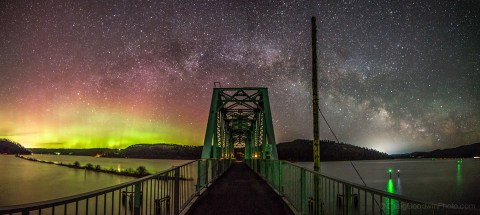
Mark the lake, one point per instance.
(24, 181)
(437, 181)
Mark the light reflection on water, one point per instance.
(459, 176)
(389, 203)
(390, 187)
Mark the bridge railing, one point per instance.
(297, 185)
(167, 192)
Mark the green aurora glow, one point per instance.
(81, 128)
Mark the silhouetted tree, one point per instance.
(142, 171)
(89, 166)
(76, 164)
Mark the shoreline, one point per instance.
(138, 173)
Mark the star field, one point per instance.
(395, 76)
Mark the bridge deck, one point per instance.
(239, 191)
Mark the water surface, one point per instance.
(436, 181)
(24, 181)
(444, 181)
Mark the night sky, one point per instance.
(396, 76)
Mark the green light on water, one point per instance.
(459, 175)
(390, 186)
(390, 170)
(391, 206)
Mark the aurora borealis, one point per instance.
(394, 76)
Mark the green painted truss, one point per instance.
(240, 118)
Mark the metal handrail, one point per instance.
(295, 183)
(22, 208)
(79, 197)
(362, 187)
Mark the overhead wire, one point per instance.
(336, 138)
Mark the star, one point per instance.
(393, 76)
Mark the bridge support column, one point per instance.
(211, 126)
(270, 135)
(137, 198)
(176, 192)
(277, 174)
(202, 179)
(317, 195)
(215, 137)
(303, 191)
(348, 199)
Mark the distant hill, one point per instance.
(79, 152)
(160, 151)
(9, 147)
(465, 151)
(302, 150)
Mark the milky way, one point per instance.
(395, 76)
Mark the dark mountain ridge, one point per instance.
(9, 147)
(302, 150)
(465, 151)
(151, 151)
(161, 151)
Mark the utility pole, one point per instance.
(316, 136)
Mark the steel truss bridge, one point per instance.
(238, 118)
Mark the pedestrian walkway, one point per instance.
(239, 191)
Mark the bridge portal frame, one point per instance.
(240, 116)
